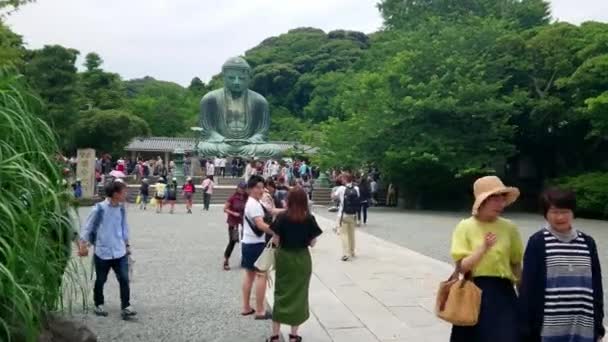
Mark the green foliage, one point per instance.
(408, 14)
(35, 229)
(108, 130)
(168, 108)
(100, 89)
(288, 68)
(52, 73)
(591, 193)
(11, 47)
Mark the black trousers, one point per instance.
(363, 211)
(121, 269)
(233, 239)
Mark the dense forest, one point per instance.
(446, 89)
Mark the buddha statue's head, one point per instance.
(237, 75)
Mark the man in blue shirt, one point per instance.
(106, 228)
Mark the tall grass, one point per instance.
(35, 229)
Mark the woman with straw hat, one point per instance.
(490, 247)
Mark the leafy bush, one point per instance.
(35, 228)
(591, 192)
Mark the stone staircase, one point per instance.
(221, 193)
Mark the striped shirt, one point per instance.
(569, 307)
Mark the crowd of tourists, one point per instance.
(551, 290)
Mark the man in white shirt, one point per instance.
(210, 168)
(222, 166)
(252, 246)
(350, 202)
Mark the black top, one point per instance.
(532, 290)
(296, 234)
(144, 189)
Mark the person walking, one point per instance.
(255, 226)
(490, 248)
(144, 192)
(234, 168)
(189, 190)
(306, 184)
(106, 228)
(222, 167)
(234, 209)
(561, 297)
(366, 197)
(159, 195)
(373, 185)
(349, 198)
(172, 194)
(207, 185)
(295, 231)
(210, 168)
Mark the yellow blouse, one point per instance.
(508, 250)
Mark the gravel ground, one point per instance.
(178, 285)
(429, 233)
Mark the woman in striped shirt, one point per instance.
(561, 296)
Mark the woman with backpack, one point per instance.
(350, 203)
(189, 189)
(159, 194)
(172, 194)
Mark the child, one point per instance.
(189, 191)
(160, 195)
(172, 194)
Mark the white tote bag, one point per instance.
(265, 261)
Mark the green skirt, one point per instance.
(293, 270)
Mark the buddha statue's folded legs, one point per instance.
(261, 150)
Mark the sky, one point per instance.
(176, 40)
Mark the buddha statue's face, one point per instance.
(236, 79)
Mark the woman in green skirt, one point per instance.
(295, 231)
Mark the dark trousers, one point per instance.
(233, 239)
(121, 269)
(222, 171)
(206, 200)
(363, 210)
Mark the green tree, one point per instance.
(11, 47)
(100, 89)
(108, 130)
(52, 73)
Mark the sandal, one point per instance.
(266, 316)
(273, 338)
(226, 266)
(248, 313)
(295, 338)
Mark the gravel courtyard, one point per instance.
(178, 286)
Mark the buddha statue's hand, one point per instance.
(237, 142)
(256, 139)
(216, 138)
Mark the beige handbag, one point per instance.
(458, 300)
(265, 261)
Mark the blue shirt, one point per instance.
(112, 233)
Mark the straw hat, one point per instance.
(487, 186)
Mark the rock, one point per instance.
(59, 329)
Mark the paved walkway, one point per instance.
(385, 294)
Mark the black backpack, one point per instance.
(352, 201)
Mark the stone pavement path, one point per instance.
(430, 232)
(178, 286)
(385, 294)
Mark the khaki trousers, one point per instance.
(347, 233)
